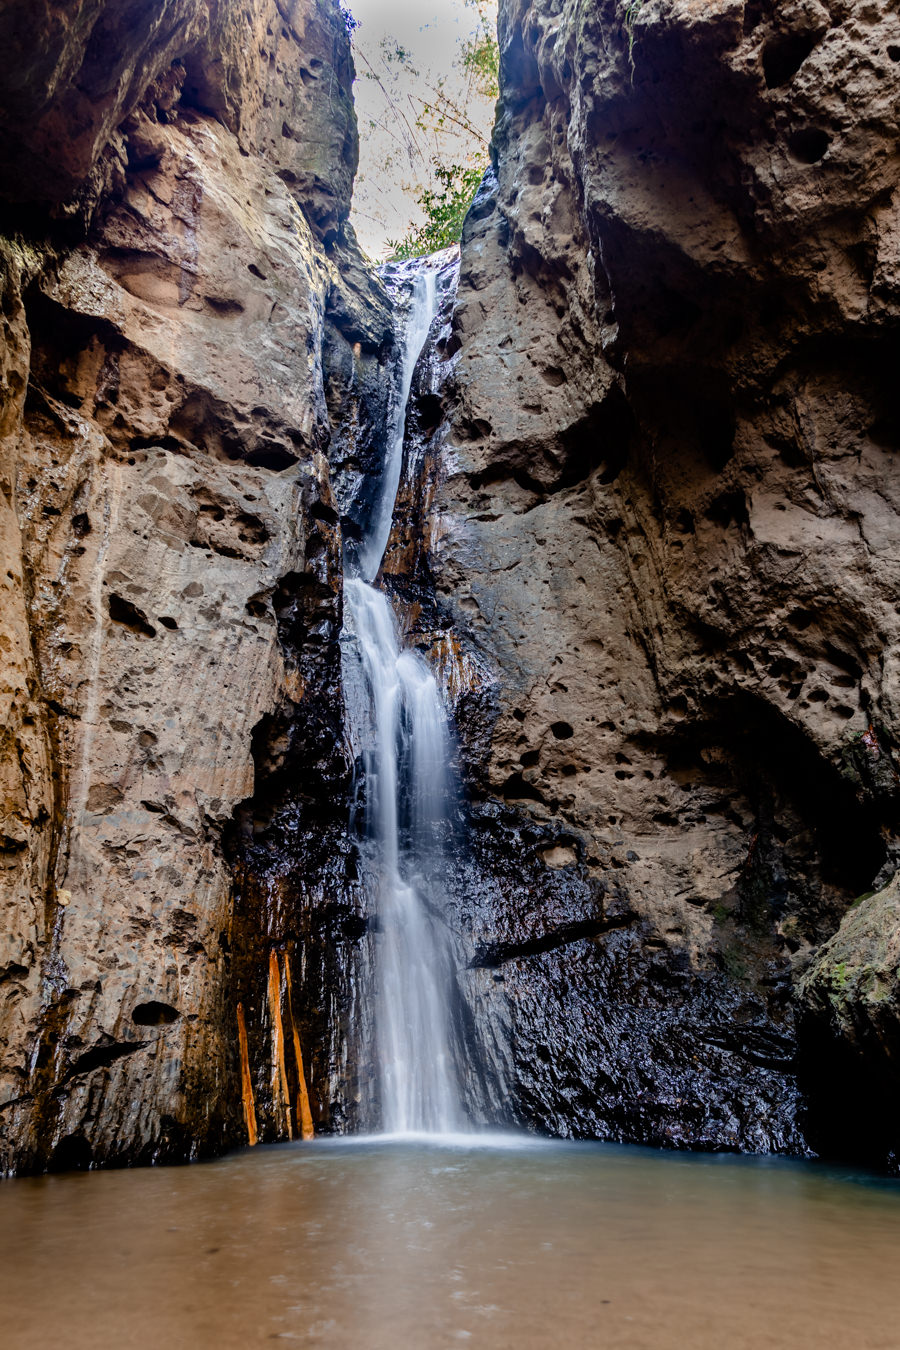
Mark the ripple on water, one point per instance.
(377, 1243)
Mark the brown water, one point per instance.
(414, 1247)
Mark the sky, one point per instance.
(394, 153)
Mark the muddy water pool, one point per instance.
(425, 1245)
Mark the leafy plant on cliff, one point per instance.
(632, 10)
(445, 210)
(437, 125)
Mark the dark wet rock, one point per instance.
(659, 519)
(850, 1002)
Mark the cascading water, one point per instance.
(422, 309)
(409, 800)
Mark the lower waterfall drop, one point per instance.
(409, 799)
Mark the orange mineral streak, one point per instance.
(458, 671)
(246, 1081)
(304, 1115)
(279, 1071)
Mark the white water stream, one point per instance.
(408, 804)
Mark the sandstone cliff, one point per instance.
(647, 533)
(668, 527)
(176, 181)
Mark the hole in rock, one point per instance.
(784, 56)
(893, 52)
(809, 145)
(430, 412)
(251, 530)
(529, 757)
(274, 457)
(474, 430)
(562, 731)
(72, 1154)
(754, 13)
(516, 789)
(223, 305)
(81, 525)
(664, 817)
(844, 661)
(716, 432)
(154, 443)
(673, 312)
(168, 622)
(124, 612)
(326, 514)
(728, 509)
(155, 1014)
(600, 440)
(254, 270)
(885, 432)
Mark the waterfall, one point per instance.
(422, 309)
(409, 797)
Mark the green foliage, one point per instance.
(734, 963)
(350, 23)
(445, 210)
(445, 206)
(838, 976)
(481, 54)
(632, 10)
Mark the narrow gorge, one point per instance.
(490, 661)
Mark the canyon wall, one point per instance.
(175, 181)
(647, 534)
(665, 533)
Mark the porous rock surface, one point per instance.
(171, 551)
(666, 526)
(647, 533)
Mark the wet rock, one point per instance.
(663, 528)
(850, 999)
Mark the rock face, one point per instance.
(666, 527)
(647, 532)
(171, 553)
(851, 1017)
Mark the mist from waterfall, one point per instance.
(408, 797)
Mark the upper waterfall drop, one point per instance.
(422, 309)
(410, 796)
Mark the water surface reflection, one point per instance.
(416, 1246)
